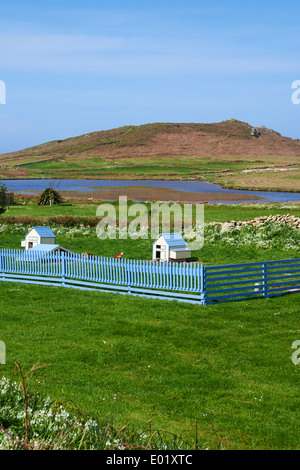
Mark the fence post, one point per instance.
(203, 285)
(3, 264)
(265, 287)
(63, 268)
(128, 276)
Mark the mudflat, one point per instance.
(142, 193)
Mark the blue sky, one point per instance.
(72, 67)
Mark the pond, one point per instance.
(142, 190)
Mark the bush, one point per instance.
(49, 197)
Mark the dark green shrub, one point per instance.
(49, 197)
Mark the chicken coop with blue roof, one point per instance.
(170, 247)
(38, 236)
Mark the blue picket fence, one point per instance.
(186, 282)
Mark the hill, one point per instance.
(232, 153)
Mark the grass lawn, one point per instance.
(227, 366)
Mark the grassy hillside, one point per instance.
(217, 152)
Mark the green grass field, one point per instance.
(227, 366)
(163, 167)
(225, 172)
(133, 360)
(212, 212)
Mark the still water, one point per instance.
(31, 186)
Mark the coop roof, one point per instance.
(43, 231)
(179, 249)
(172, 239)
(38, 251)
(47, 248)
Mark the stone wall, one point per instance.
(259, 222)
